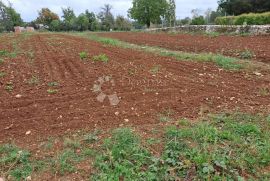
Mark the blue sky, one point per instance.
(29, 8)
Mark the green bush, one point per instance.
(248, 19)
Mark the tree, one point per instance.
(92, 20)
(198, 21)
(81, 22)
(148, 11)
(9, 17)
(106, 17)
(122, 24)
(55, 25)
(237, 7)
(46, 16)
(68, 15)
(170, 15)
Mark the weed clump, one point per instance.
(101, 58)
(83, 55)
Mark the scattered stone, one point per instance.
(232, 98)
(117, 113)
(258, 73)
(132, 108)
(18, 96)
(28, 133)
(28, 178)
(126, 120)
(9, 127)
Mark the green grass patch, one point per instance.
(83, 55)
(2, 74)
(220, 147)
(155, 69)
(34, 80)
(53, 84)
(9, 87)
(101, 58)
(52, 91)
(220, 60)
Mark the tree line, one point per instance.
(143, 13)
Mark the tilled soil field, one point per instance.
(47, 89)
(236, 46)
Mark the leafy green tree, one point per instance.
(68, 15)
(198, 21)
(106, 17)
(170, 15)
(81, 22)
(46, 16)
(148, 11)
(237, 7)
(92, 20)
(122, 24)
(55, 25)
(9, 17)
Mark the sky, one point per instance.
(29, 8)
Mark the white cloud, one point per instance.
(29, 8)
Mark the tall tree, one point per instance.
(91, 19)
(82, 22)
(122, 24)
(68, 16)
(46, 16)
(106, 17)
(148, 11)
(170, 15)
(9, 17)
(237, 7)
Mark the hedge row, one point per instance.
(245, 19)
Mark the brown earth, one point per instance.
(223, 44)
(189, 89)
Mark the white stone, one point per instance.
(18, 96)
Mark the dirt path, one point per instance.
(227, 45)
(145, 84)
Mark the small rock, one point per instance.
(28, 133)
(126, 120)
(157, 93)
(18, 96)
(258, 73)
(232, 98)
(132, 108)
(121, 125)
(28, 178)
(117, 113)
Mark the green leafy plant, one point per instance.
(9, 87)
(15, 162)
(247, 54)
(2, 74)
(34, 80)
(101, 57)
(52, 91)
(83, 55)
(53, 84)
(1, 60)
(165, 116)
(155, 69)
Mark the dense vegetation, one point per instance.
(248, 19)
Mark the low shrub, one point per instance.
(245, 19)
